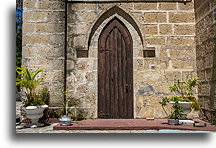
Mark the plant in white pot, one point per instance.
(32, 105)
(183, 98)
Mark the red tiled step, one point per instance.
(130, 124)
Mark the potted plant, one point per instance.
(175, 115)
(65, 120)
(32, 104)
(69, 104)
(183, 98)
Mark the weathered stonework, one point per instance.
(205, 47)
(43, 43)
(166, 27)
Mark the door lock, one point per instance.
(127, 88)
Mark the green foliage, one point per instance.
(26, 79)
(70, 107)
(34, 101)
(177, 112)
(78, 117)
(44, 94)
(184, 90)
(19, 48)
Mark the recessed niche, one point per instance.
(148, 53)
(82, 53)
(215, 14)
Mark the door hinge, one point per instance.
(103, 50)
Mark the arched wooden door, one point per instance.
(115, 72)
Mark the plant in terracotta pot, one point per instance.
(184, 98)
(32, 104)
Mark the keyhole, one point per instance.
(127, 88)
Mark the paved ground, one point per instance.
(106, 126)
(49, 129)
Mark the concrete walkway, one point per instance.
(119, 126)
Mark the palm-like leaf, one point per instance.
(27, 79)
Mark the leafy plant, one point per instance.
(26, 79)
(44, 94)
(184, 92)
(78, 117)
(177, 112)
(68, 103)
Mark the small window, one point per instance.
(148, 53)
(82, 53)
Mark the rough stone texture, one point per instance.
(43, 43)
(205, 46)
(155, 17)
(168, 28)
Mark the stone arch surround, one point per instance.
(110, 12)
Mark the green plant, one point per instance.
(26, 79)
(177, 112)
(184, 90)
(44, 94)
(69, 107)
(65, 103)
(77, 115)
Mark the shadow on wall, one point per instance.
(111, 12)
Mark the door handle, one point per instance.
(127, 88)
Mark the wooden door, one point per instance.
(115, 72)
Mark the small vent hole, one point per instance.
(148, 53)
(82, 53)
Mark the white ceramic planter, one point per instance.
(186, 106)
(34, 113)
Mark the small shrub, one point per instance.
(183, 92)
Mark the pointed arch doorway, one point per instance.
(115, 72)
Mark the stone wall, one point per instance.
(43, 42)
(168, 28)
(205, 46)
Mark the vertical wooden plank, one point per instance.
(112, 92)
(129, 62)
(124, 78)
(101, 76)
(120, 86)
(115, 75)
(108, 62)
